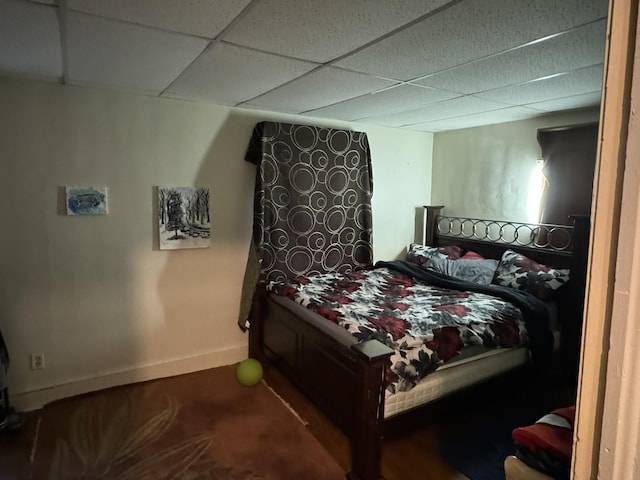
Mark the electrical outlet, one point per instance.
(37, 361)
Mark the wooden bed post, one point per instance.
(573, 329)
(366, 438)
(580, 249)
(430, 225)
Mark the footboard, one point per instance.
(343, 377)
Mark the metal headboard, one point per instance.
(557, 245)
(541, 236)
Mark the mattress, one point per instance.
(473, 365)
(426, 321)
(455, 376)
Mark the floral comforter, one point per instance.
(425, 325)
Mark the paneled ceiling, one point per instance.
(428, 65)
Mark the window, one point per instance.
(536, 185)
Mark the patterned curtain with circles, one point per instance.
(312, 205)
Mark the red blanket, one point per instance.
(546, 445)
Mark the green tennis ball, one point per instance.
(249, 372)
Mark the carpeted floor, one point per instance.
(479, 448)
(478, 439)
(203, 425)
(206, 426)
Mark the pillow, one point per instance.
(517, 271)
(472, 256)
(420, 254)
(476, 271)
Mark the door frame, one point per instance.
(599, 446)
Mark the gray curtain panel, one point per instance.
(569, 155)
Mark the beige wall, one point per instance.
(483, 172)
(401, 186)
(94, 294)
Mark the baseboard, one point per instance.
(35, 399)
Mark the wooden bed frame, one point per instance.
(345, 378)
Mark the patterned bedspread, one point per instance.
(425, 325)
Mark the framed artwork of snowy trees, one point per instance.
(183, 217)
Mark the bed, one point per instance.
(349, 378)
(312, 216)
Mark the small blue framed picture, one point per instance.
(86, 200)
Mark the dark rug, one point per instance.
(200, 426)
(478, 445)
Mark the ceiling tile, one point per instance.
(449, 108)
(579, 48)
(323, 31)
(468, 31)
(116, 54)
(393, 99)
(205, 18)
(584, 100)
(510, 114)
(29, 39)
(229, 75)
(456, 63)
(318, 89)
(585, 80)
